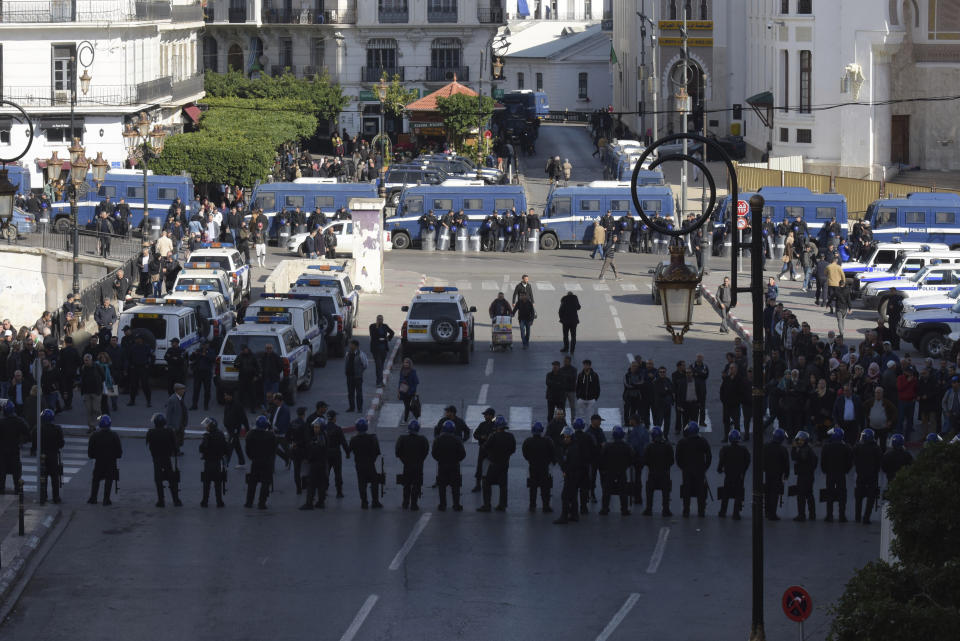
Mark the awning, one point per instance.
(60, 123)
(762, 99)
(192, 112)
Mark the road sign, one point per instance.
(741, 223)
(797, 604)
(743, 208)
(488, 134)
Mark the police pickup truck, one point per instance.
(932, 278)
(933, 332)
(884, 255)
(227, 258)
(907, 263)
(942, 300)
(277, 332)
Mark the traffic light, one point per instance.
(738, 112)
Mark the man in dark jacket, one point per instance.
(14, 432)
(734, 461)
(569, 319)
(461, 429)
(141, 359)
(587, 389)
(51, 440)
(235, 422)
(314, 455)
(867, 459)
(589, 451)
(556, 390)
(658, 459)
(104, 448)
(448, 451)
(694, 459)
(213, 450)
(202, 362)
(481, 434)
(539, 453)
(69, 363)
(412, 450)
(162, 443)
(805, 468)
(366, 448)
(571, 466)
(380, 336)
(895, 458)
(176, 360)
(616, 458)
(336, 442)
(261, 448)
(249, 375)
(498, 449)
(662, 392)
(836, 460)
(523, 287)
(776, 469)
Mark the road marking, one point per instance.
(464, 284)
(488, 370)
(545, 286)
(431, 413)
(619, 617)
(439, 282)
(657, 555)
(628, 287)
(506, 278)
(482, 396)
(490, 285)
(610, 415)
(572, 287)
(617, 323)
(650, 286)
(390, 415)
(622, 337)
(601, 287)
(613, 310)
(629, 357)
(66, 470)
(475, 414)
(408, 545)
(521, 417)
(360, 618)
(608, 298)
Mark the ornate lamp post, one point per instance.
(677, 285)
(143, 144)
(381, 89)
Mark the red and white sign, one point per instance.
(797, 604)
(741, 223)
(743, 208)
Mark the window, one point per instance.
(784, 134)
(209, 53)
(786, 80)
(650, 206)
(805, 136)
(107, 191)
(790, 213)
(784, 6)
(539, 79)
(806, 67)
(561, 207)
(445, 53)
(688, 9)
(61, 132)
(805, 6)
(886, 217)
(915, 217)
(619, 205)
(286, 53)
(166, 193)
(704, 12)
(443, 204)
(135, 192)
(520, 80)
(266, 201)
(945, 217)
(293, 201)
(582, 86)
(317, 54)
(589, 205)
(323, 201)
(501, 204)
(475, 204)
(62, 63)
(826, 213)
(183, 327)
(414, 205)
(382, 53)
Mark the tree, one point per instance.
(918, 597)
(462, 114)
(325, 98)
(397, 96)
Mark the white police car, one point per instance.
(884, 255)
(438, 320)
(205, 277)
(343, 231)
(159, 322)
(933, 332)
(331, 306)
(303, 317)
(942, 300)
(932, 278)
(907, 263)
(214, 315)
(295, 356)
(226, 257)
(333, 276)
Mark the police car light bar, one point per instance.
(157, 301)
(200, 266)
(438, 290)
(195, 288)
(310, 282)
(217, 245)
(275, 319)
(291, 295)
(326, 268)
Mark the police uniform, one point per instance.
(104, 448)
(316, 476)
(336, 442)
(572, 467)
(163, 444)
(733, 464)
(261, 449)
(448, 451)
(498, 449)
(176, 360)
(366, 448)
(658, 458)
(540, 453)
(866, 459)
(412, 450)
(836, 459)
(51, 442)
(693, 459)
(213, 451)
(776, 469)
(805, 467)
(481, 434)
(616, 457)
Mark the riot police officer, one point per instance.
(599, 439)
(776, 469)
(488, 233)
(481, 434)
(104, 448)
(836, 460)
(616, 458)
(176, 360)
(658, 458)
(261, 450)
(867, 459)
(336, 442)
(13, 433)
(162, 444)
(412, 449)
(366, 448)
(498, 449)
(572, 467)
(315, 456)
(213, 451)
(693, 459)
(589, 453)
(428, 225)
(896, 458)
(51, 442)
(448, 451)
(734, 462)
(805, 467)
(539, 453)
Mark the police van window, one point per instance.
(308, 314)
(134, 192)
(768, 211)
(503, 203)
(826, 213)
(914, 264)
(323, 201)
(156, 326)
(433, 310)
(915, 217)
(619, 205)
(290, 340)
(166, 193)
(473, 203)
(445, 204)
(945, 217)
(347, 284)
(349, 229)
(589, 204)
(651, 205)
(183, 327)
(791, 213)
(237, 259)
(561, 207)
(235, 342)
(414, 205)
(294, 201)
(221, 262)
(107, 191)
(885, 257)
(266, 201)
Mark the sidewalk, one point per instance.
(15, 550)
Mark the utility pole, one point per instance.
(643, 65)
(653, 82)
(684, 106)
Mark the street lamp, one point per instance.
(143, 144)
(77, 185)
(677, 285)
(382, 95)
(680, 304)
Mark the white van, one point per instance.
(159, 323)
(301, 315)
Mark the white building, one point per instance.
(144, 57)
(579, 10)
(426, 42)
(570, 61)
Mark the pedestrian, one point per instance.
(599, 238)
(500, 307)
(805, 468)
(105, 316)
(250, 376)
(599, 439)
(335, 442)
(569, 373)
(447, 450)
(658, 458)
(365, 449)
(407, 388)
(105, 449)
(412, 450)
(259, 238)
(523, 287)
(841, 302)
(202, 364)
(724, 300)
(776, 470)
(609, 253)
(525, 313)
(731, 385)
(734, 461)
(315, 456)
(380, 337)
(589, 457)
(51, 441)
(567, 171)
(14, 432)
(616, 458)
(177, 415)
(587, 389)
(867, 459)
(271, 373)
(570, 466)
(177, 360)
(236, 424)
(569, 319)
(354, 365)
(91, 390)
(836, 461)
(556, 390)
(68, 364)
(261, 448)
(836, 280)
(481, 434)
(662, 403)
(450, 414)
(140, 361)
(498, 449)
(694, 459)
(161, 441)
(540, 453)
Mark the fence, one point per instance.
(91, 243)
(92, 296)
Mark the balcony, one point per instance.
(292, 16)
(154, 89)
(393, 16)
(145, 10)
(237, 14)
(494, 15)
(98, 96)
(95, 11)
(446, 74)
(187, 12)
(348, 16)
(373, 74)
(441, 15)
(187, 87)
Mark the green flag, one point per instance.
(613, 55)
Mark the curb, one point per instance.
(13, 569)
(737, 325)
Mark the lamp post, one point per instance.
(677, 293)
(85, 48)
(382, 96)
(143, 144)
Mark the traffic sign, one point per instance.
(743, 208)
(488, 134)
(741, 223)
(797, 604)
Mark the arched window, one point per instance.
(235, 58)
(210, 53)
(446, 55)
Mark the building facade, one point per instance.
(427, 43)
(140, 56)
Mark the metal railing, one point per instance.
(446, 74)
(271, 15)
(187, 12)
(348, 16)
(154, 89)
(373, 74)
(97, 96)
(187, 87)
(46, 11)
(393, 16)
(145, 10)
(492, 15)
(568, 116)
(441, 15)
(118, 247)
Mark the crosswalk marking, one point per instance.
(572, 287)
(390, 415)
(464, 284)
(439, 282)
(601, 287)
(491, 285)
(521, 417)
(73, 457)
(474, 415)
(430, 413)
(611, 417)
(628, 287)
(545, 286)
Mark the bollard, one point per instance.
(284, 236)
(20, 527)
(501, 243)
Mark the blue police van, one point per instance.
(571, 211)
(925, 217)
(126, 184)
(19, 177)
(273, 198)
(476, 200)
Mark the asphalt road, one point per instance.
(346, 573)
